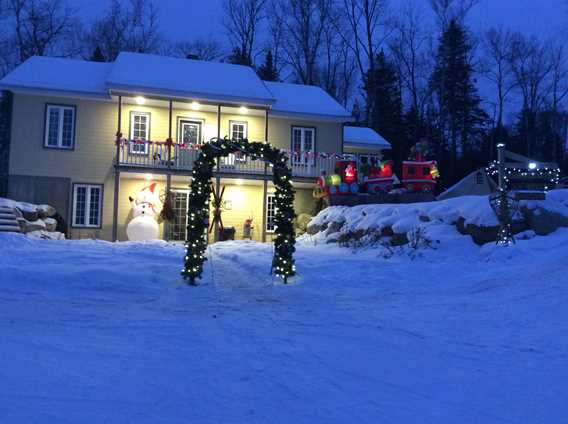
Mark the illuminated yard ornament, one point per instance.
(143, 225)
(199, 198)
(418, 173)
(517, 172)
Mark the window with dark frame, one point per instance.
(139, 132)
(270, 212)
(59, 127)
(87, 205)
(238, 130)
(303, 145)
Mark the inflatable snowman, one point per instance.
(143, 225)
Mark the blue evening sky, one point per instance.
(187, 18)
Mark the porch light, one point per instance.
(532, 165)
(243, 110)
(195, 106)
(140, 100)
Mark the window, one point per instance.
(139, 131)
(178, 228)
(303, 145)
(87, 205)
(189, 131)
(369, 158)
(270, 212)
(479, 178)
(238, 130)
(411, 170)
(426, 171)
(59, 127)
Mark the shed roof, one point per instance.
(364, 137)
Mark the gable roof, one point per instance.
(70, 76)
(145, 74)
(187, 78)
(364, 137)
(298, 99)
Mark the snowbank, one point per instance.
(471, 215)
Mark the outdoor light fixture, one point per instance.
(243, 110)
(148, 177)
(195, 106)
(140, 100)
(532, 165)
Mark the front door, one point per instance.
(189, 132)
(178, 227)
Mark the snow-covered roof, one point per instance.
(364, 137)
(58, 74)
(145, 74)
(298, 99)
(196, 79)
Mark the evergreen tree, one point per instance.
(237, 57)
(97, 55)
(384, 103)
(458, 103)
(267, 70)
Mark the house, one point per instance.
(84, 136)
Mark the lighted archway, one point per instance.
(199, 197)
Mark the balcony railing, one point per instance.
(155, 155)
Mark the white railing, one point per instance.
(156, 155)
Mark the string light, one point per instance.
(198, 209)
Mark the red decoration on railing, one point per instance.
(195, 146)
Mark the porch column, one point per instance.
(217, 177)
(169, 174)
(117, 173)
(265, 181)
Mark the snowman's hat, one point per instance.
(151, 187)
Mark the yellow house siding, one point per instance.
(92, 157)
(329, 135)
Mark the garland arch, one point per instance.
(199, 199)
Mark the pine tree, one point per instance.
(237, 57)
(384, 103)
(267, 70)
(458, 103)
(98, 55)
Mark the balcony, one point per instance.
(154, 156)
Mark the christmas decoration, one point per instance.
(418, 173)
(380, 178)
(143, 225)
(346, 170)
(201, 189)
(167, 213)
(217, 209)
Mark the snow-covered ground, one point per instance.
(95, 332)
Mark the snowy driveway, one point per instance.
(93, 332)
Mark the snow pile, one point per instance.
(470, 215)
(36, 221)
